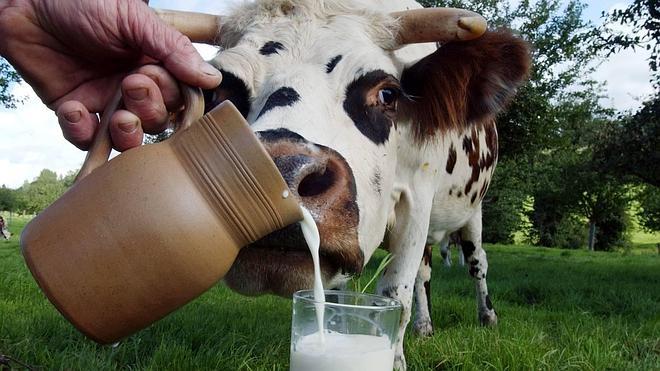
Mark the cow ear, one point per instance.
(464, 82)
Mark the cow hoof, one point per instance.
(488, 319)
(423, 328)
(399, 363)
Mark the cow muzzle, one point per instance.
(321, 180)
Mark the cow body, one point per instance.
(381, 144)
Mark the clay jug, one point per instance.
(143, 234)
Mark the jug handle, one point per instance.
(99, 152)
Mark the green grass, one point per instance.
(558, 309)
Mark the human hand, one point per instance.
(76, 53)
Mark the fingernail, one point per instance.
(137, 93)
(127, 127)
(73, 117)
(209, 70)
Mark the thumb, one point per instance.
(174, 50)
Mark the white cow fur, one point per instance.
(415, 186)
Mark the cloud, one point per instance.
(626, 74)
(205, 6)
(31, 141)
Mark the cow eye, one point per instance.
(388, 96)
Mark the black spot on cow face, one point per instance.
(371, 102)
(233, 89)
(332, 64)
(271, 47)
(274, 135)
(282, 97)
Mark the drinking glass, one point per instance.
(359, 332)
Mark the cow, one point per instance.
(384, 143)
(445, 249)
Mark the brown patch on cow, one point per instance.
(451, 160)
(487, 161)
(467, 145)
(427, 288)
(464, 82)
(484, 188)
(427, 258)
(473, 159)
(474, 198)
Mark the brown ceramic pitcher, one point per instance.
(155, 227)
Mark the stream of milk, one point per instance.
(311, 233)
(331, 351)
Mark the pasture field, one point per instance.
(558, 309)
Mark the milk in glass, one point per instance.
(332, 351)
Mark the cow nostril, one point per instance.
(317, 182)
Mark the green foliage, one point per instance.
(7, 76)
(649, 213)
(359, 286)
(8, 199)
(40, 193)
(571, 233)
(572, 188)
(504, 202)
(612, 227)
(629, 146)
(35, 196)
(644, 17)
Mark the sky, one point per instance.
(31, 140)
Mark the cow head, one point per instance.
(323, 88)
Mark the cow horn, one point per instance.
(438, 25)
(199, 27)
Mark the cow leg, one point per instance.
(478, 268)
(423, 325)
(461, 256)
(445, 252)
(407, 239)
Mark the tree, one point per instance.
(575, 190)
(649, 213)
(7, 76)
(644, 17)
(41, 192)
(8, 199)
(630, 146)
